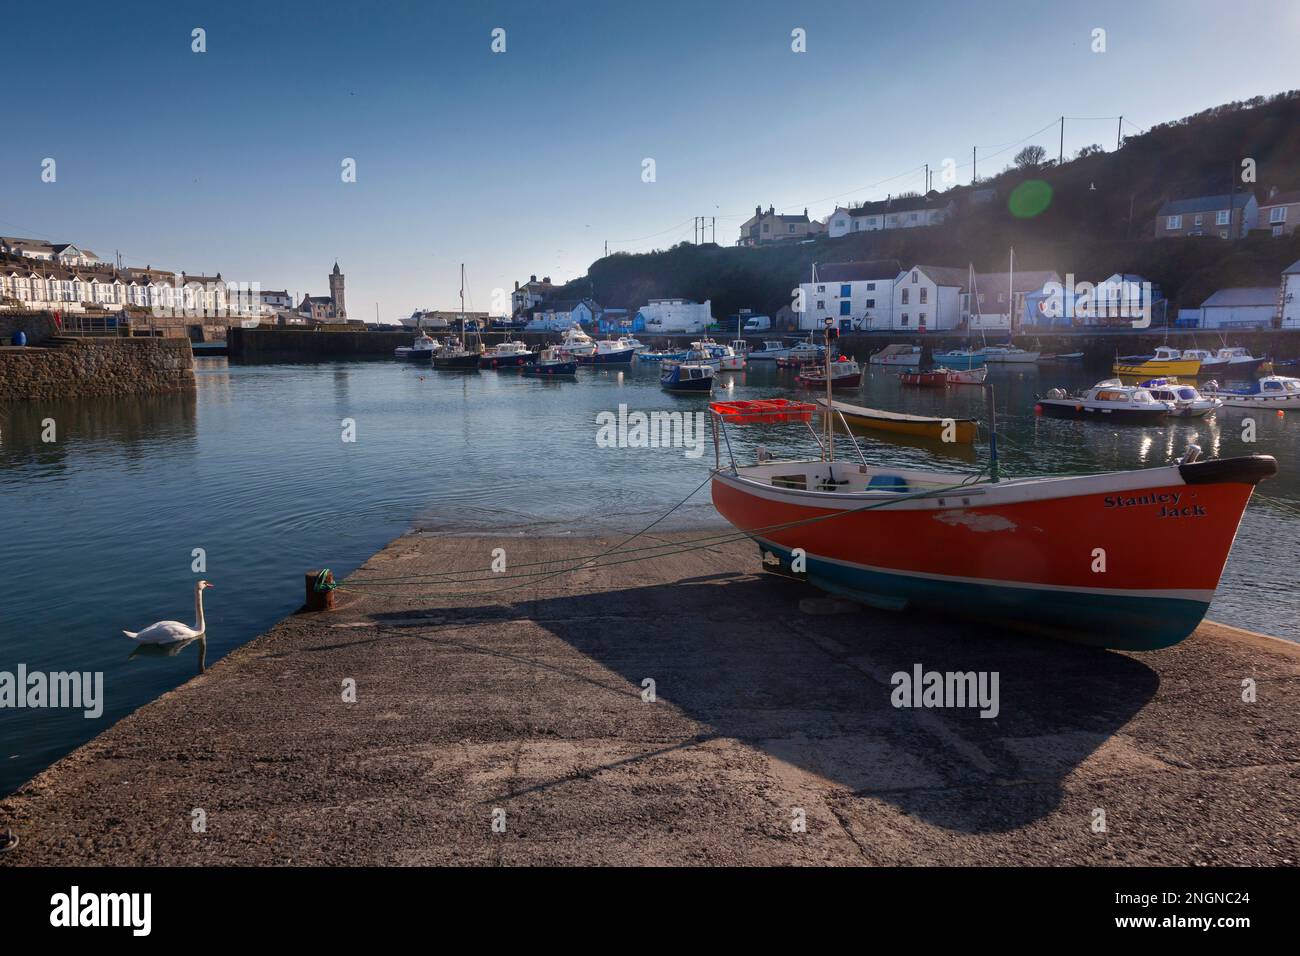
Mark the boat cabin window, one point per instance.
(1273, 386)
(790, 481)
(1187, 393)
(1106, 395)
(1142, 395)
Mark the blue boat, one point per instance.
(618, 352)
(960, 359)
(662, 356)
(550, 363)
(681, 377)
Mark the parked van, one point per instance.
(758, 323)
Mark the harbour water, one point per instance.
(100, 526)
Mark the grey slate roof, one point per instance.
(1249, 295)
(1182, 207)
(862, 270)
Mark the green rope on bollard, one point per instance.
(322, 584)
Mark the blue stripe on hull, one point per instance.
(1102, 620)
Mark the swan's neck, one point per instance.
(198, 610)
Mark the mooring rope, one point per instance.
(669, 549)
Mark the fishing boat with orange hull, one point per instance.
(1066, 556)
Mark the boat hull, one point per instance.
(1026, 556)
(550, 369)
(837, 381)
(467, 362)
(620, 357)
(1068, 408)
(924, 379)
(507, 362)
(1156, 369)
(961, 431)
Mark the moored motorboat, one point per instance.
(1185, 400)
(959, 430)
(1271, 391)
(421, 350)
(1165, 361)
(1238, 363)
(844, 373)
(1210, 363)
(908, 356)
(507, 355)
(1110, 401)
(1067, 556)
(551, 362)
(686, 377)
(576, 342)
(1048, 358)
(607, 352)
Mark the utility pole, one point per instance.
(1061, 156)
(927, 178)
(1119, 134)
(973, 167)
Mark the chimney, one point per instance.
(546, 280)
(532, 278)
(758, 210)
(771, 210)
(516, 285)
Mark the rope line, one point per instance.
(675, 548)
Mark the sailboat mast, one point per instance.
(1011, 295)
(830, 408)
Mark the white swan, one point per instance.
(165, 632)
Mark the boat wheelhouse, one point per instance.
(551, 362)
(607, 352)
(421, 350)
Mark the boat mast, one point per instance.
(830, 408)
(1011, 295)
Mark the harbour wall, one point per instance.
(311, 345)
(96, 368)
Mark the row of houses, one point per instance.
(878, 295)
(39, 275)
(661, 316)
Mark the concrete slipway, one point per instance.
(530, 701)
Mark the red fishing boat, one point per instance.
(1067, 556)
(844, 373)
(935, 379)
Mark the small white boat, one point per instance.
(1271, 391)
(905, 355)
(421, 350)
(968, 376)
(1008, 355)
(1187, 402)
(773, 350)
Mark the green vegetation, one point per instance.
(1094, 218)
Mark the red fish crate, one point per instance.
(762, 411)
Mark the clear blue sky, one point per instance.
(527, 161)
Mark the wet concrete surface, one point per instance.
(523, 700)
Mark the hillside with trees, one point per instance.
(1092, 216)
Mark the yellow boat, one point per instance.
(954, 430)
(1166, 362)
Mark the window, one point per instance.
(925, 295)
(921, 319)
(1279, 230)
(871, 303)
(821, 288)
(904, 321)
(871, 287)
(1223, 234)
(1277, 214)
(821, 304)
(914, 275)
(905, 296)
(839, 223)
(846, 290)
(1174, 222)
(911, 217)
(1199, 220)
(844, 308)
(767, 226)
(1223, 218)
(791, 227)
